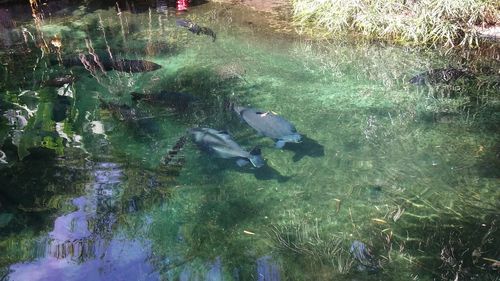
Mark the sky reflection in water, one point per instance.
(74, 251)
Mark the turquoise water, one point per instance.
(411, 171)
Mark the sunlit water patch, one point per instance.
(392, 181)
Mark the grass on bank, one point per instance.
(420, 22)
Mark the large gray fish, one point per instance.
(270, 125)
(222, 145)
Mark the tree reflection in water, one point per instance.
(81, 245)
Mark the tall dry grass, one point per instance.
(421, 22)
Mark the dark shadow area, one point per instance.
(137, 122)
(488, 117)
(147, 188)
(30, 189)
(489, 164)
(212, 231)
(458, 244)
(208, 96)
(265, 172)
(308, 147)
(473, 102)
(139, 6)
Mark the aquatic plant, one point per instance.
(427, 22)
(459, 237)
(313, 245)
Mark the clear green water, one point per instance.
(405, 169)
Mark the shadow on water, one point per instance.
(308, 147)
(265, 172)
(222, 166)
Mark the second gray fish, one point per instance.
(222, 145)
(269, 125)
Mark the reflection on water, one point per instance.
(119, 259)
(267, 270)
(81, 245)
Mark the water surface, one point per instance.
(86, 193)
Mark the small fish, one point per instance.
(364, 256)
(439, 75)
(180, 101)
(194, 28)
(222, 145)
(270, 125)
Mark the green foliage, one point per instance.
(425, 22)
(19, 247)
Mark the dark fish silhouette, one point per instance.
(439, 75)
(174, 151)
(270, 125)
(180, 101)
(105, 62)
(222, 145)
(194, 28)
(61, 108)
(122, 112)
(140, 122)
(173, 161)
(60, 81)
(364, 256)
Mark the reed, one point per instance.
(425, 22)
